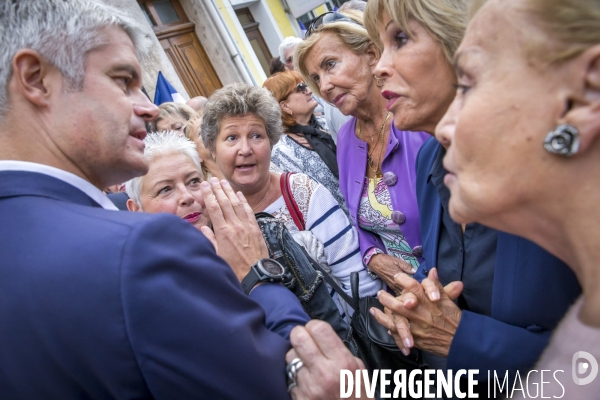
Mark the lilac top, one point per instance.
(399, 174)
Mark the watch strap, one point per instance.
(250, 280)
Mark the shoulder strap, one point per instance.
(291, 204)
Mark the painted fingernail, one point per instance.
(405, 352)
(407, 343)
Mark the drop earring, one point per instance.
(564, 141)
(379, 81)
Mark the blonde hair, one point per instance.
(171, 109)
(571, 27)
(353, 35)
(445, 20)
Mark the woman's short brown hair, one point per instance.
(281, 85)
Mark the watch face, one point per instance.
(272, 267)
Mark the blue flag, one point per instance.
(166, 92)
(302, 28)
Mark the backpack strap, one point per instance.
(290, 202)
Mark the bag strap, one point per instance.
(352, 302)
(290, 202)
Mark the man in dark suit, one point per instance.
(101, 304)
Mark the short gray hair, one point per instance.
(161, 144)
(288, 43)
(62, 31)
(238, 100)
(358, 5)
(169, 109)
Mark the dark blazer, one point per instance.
(532, 291)
(104, 304)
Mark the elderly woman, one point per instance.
(500, 272)
(304, 147)
(376, 161)
(172, 117)
(172, 184)
(240, 125)
(552, 50)
(500, 327)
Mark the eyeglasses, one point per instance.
(328, 17)
(302, 88)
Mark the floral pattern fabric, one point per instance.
(375, 215)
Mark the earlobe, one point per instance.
(285, 107)
(31, 72)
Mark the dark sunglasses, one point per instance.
(302, 88)
(327, 18)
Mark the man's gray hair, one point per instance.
(238, 100)
(358, 5)
(61, 31)
(161, 144)
(288, 43)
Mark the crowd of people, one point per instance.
(441, 153)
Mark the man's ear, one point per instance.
(584, 110)
(133, 206)
(33, 75)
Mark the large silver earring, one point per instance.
(379, 81)
(564, 141)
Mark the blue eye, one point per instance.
(401, 39)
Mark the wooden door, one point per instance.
(178, 39)
(255, 38)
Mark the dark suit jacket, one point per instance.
(532, 291)
(105, 304)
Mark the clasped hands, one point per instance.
(235, 235)
(424, 315)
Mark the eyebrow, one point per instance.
(127, 69)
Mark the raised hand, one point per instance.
(237, 237)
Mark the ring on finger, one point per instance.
(292, 370)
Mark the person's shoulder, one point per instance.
(345, 130)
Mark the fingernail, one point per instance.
(224, 183)
(389, 332)
(395, 275)
(407, 343)
(435, 296)
(204, 184)
(378, 293)
(214, 180)
(414, 270)
(405, 352)
(372, 311)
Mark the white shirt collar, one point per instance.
(92, 191)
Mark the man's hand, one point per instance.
(425, 315)
(237, 237)
(323, 355)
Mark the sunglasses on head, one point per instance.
(324, 19)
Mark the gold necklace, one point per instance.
(370, 161)
(265, 196)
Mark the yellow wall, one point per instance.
(281, 18)
(235, 33)
(321, 10)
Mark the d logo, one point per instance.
(579, 369)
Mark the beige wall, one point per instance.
(157, 59)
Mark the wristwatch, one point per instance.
(265, 270)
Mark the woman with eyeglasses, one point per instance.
(304, 147)
(376, 161)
